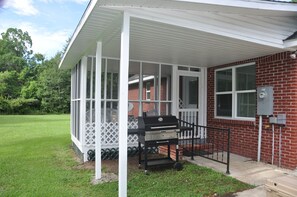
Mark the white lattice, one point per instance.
(133, 124)
(181, 103)
(133, 139)
(109, 134)
(90, 134)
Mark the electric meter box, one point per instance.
(265, 100)
(281, 119)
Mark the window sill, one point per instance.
(238, 118)
(234, 121)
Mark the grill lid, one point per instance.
(151, 123)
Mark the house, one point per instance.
(209, 57)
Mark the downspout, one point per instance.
(280, 147)
(259, 139)
(272, 154)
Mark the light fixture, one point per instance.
(293, 55)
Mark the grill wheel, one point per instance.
(178, 166)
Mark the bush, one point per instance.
(24, 106)
(4, 106)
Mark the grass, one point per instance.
(36, 160)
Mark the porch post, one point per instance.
(174, 93)
(140, 91)
(203, 97)
(98, 112)
(123, 104)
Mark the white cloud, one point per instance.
(81, 1)
(23, 7)
(63, 1)
(44, 41)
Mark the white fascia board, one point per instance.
(291, 44)
(200, 26)
(79, 27)
(256, 7)
(250, 4)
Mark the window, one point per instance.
(148, 91)
(236, 92)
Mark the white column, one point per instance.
(203, 97)
(98, 112)
(123, 105)
(83, 95)
(174, 93)
(205, 109)
(140, 90)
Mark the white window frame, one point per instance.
(148, 91)
(234, 94)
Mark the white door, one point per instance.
(188, 96)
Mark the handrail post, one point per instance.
(228, 153)
(192, 155)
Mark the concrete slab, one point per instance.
(246, 170)
(256, 192)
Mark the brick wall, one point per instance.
(279, 71)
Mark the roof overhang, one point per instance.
(185, 32)
(291, 41)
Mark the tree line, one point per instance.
(30, 83)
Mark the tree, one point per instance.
(10, 62)
(15, 49)
(18, 42)
(54, 87)
(10, 86)
(30, 90)
(28, 81)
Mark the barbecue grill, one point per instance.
(155, 131)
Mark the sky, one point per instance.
(49, 22)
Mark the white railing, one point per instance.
(190, 116)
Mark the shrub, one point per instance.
(24, 106)
(4, 106)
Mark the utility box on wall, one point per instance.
(265, 100)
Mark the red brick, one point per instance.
(279, 71)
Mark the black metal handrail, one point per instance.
(204, 141)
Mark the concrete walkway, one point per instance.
(248, 171)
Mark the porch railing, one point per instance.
(208, 142)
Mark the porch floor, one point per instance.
(246, 170)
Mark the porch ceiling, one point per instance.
(165, 36)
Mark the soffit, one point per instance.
(160, 42)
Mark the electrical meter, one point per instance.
(265, 100)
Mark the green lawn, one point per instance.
(36, 160)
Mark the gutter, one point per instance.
(78, 28)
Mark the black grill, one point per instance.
(152, 123)
(156, 131)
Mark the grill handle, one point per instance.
(163, 127)
(160, 142)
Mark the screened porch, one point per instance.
(149, 91)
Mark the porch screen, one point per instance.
(75, 101)
(149, 89)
